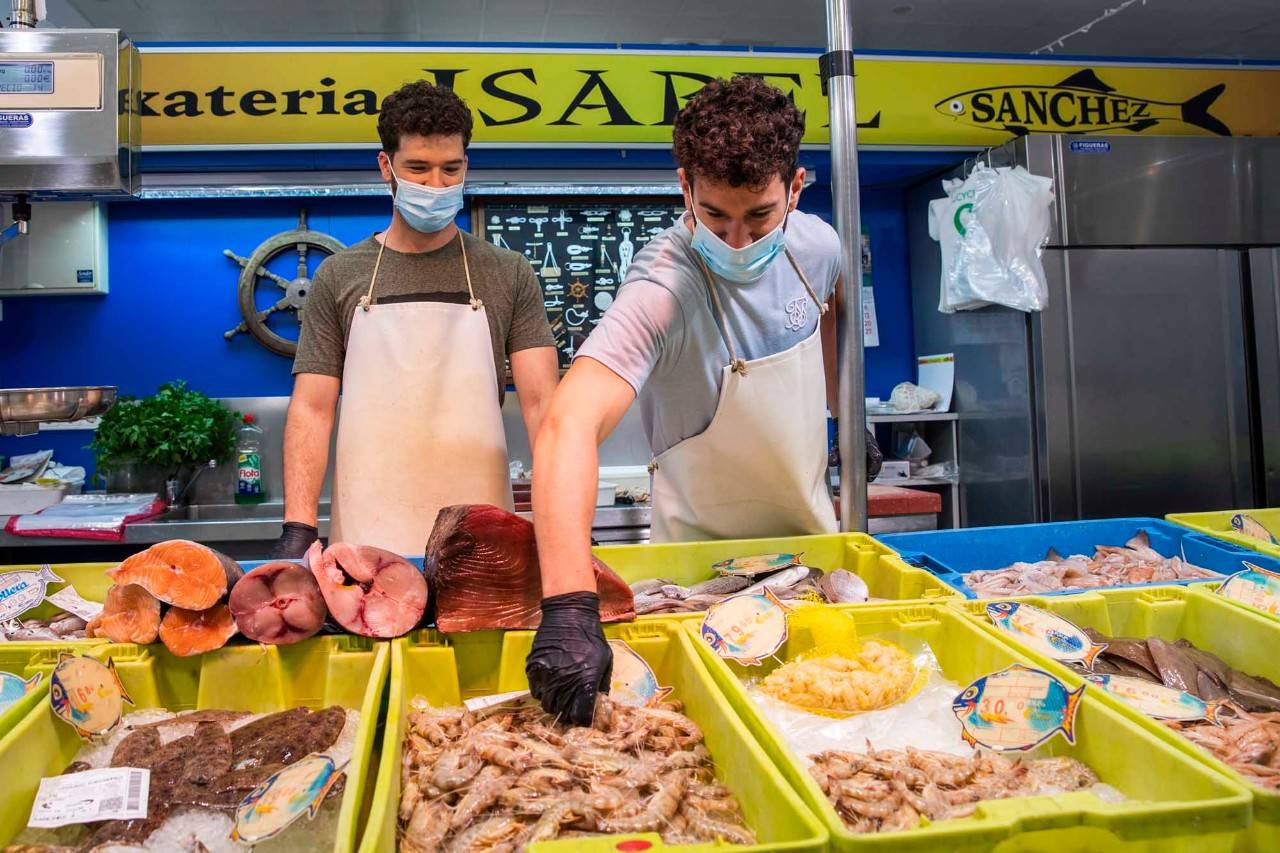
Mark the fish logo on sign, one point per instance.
(1255, 586)
(22, 590)
(13, 688)
(757, 565)
(284, 797)
(633, 682)
(1081, 103)
(1247, 525)
(1045, 632)
(87, 694)
(747, 627)
(1157, 700)
(1017, 708)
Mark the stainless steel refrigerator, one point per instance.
(1151, 383)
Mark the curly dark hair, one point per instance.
(425, 109)
(740, 131)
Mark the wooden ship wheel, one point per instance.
(293, 297)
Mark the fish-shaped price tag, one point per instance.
(747, 627)
(22, 590)
(1247, 525)
(285, 796)
(1044, 632)
(13, 688)
(1255, 586)
(1157, 700)
(633, 681)
(87, 694)
(757, 565)
(1017, 708)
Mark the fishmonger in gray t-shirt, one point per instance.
(662, 326)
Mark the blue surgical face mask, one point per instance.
(427, 209)
(740, 266)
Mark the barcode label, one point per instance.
(111, 793)
(136, 781)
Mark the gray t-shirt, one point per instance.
(661, 336)
(501, 278)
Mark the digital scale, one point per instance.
(68, 127)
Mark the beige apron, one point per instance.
(420, 426)
(760, 467)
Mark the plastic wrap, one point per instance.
(992, 228)
(94, 516)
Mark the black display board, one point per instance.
(579, 249)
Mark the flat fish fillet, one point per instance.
(181, 573)
(369, 591)
(482, 565)
(278, 603)
(194, 632)
(130, 615)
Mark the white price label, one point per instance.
(481, 702)
(71, 601)
(112, 793)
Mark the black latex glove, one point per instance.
(295, 539)
(571, 661)
(874, 457)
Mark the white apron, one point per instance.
(420, 426)
(760, 467)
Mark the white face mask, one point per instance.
(426, 209)
(745, 265)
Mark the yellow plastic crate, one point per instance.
(1175, 803)
(346, 671)
(887, 576)
(1244, 638)
(25, 660)
(1218, 524)
(424, 664)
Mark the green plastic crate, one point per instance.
(887, 576)
(425, 664)
(1175, 803)
(89, 579)
(346, 671)
(1218, 524)
(1244, 638)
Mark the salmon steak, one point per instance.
(369, 591)
(278, 603)
(181, 573)
(482, 565)
(194, 632)
(130, 615)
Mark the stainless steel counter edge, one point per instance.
(609, 522)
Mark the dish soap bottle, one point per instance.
(249, 467)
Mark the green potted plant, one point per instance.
(142, 443)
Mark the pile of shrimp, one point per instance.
(1248, 742)
(890, 790)
(505, 777)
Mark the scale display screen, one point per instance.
(26, 78)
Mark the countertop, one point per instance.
(241, 531)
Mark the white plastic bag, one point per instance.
(992, 228)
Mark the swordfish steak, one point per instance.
(278, 603)
(482, 565)
(369, 591)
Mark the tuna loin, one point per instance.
(482, 564)
(278, 603)
(369, 591)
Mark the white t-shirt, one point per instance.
(661, 335)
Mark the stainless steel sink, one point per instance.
(231, 512)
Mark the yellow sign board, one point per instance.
(326, 97)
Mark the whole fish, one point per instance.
(720, 585)
(648, 587)
(779, 580)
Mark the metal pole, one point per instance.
(837, 72)
(24, 15)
